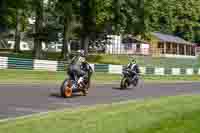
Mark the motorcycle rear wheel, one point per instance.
(66, 89)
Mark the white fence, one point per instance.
(3, 62)
(45, 65)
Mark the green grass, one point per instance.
(145, 61)
(29, 76)
(165, 115)
(28, 55)
(119, 59)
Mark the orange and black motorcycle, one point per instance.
(76, 85)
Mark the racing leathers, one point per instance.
(134, 69)
(74, 69)
(79, 69)
(88, 72)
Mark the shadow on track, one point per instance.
(57, 95)
(118, 88)
(140, 85)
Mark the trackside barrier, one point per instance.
(159, 71)
(46, 65)
(17, 63)
(3, 62)
(115, 69)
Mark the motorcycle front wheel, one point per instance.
(124, 83)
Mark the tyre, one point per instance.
(124, 83)
(66, 88)
(85, 89)
(135, 83)
(62, 86)
(84, 92)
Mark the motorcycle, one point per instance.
(129, 78)
(70, 86)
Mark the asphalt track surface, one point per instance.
(22, 100)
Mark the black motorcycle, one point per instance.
(129, 78)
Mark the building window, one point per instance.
(128, 46)
(24, 46)
(161, 47)
(174, 48)
(188, 50)
(138, 48)
(181, 48)
(59, 47)
(193, 51)
(168, 48)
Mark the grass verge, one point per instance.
(165, 115)
(118, 59)
(28, 76)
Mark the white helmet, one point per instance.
(82, 59)
(81, 52)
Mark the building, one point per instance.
(164, 46)
(172, 46)
(126, 45)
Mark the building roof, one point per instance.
(170, 38)
(131, 39)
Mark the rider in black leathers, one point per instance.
(88, 72)
(134, 69)
(79, 67)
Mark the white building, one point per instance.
(128, 45)
(114, 47)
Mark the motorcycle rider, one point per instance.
(85, 66)
(134, 68)
(79, 69)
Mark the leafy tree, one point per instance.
(38, 6)
(2, 15)
(66, 10)
(18, 9)
(88, 22)
(176, 17)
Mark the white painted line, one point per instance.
(69, 104)
(63, 103)
(62, 110)
(29, 110)
(23, 117)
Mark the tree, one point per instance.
(176, 17)
(17, 32)
(16, 18)
(2, 15)
(38, 8)
(66, 9)
(103, 14)
(88, 22)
